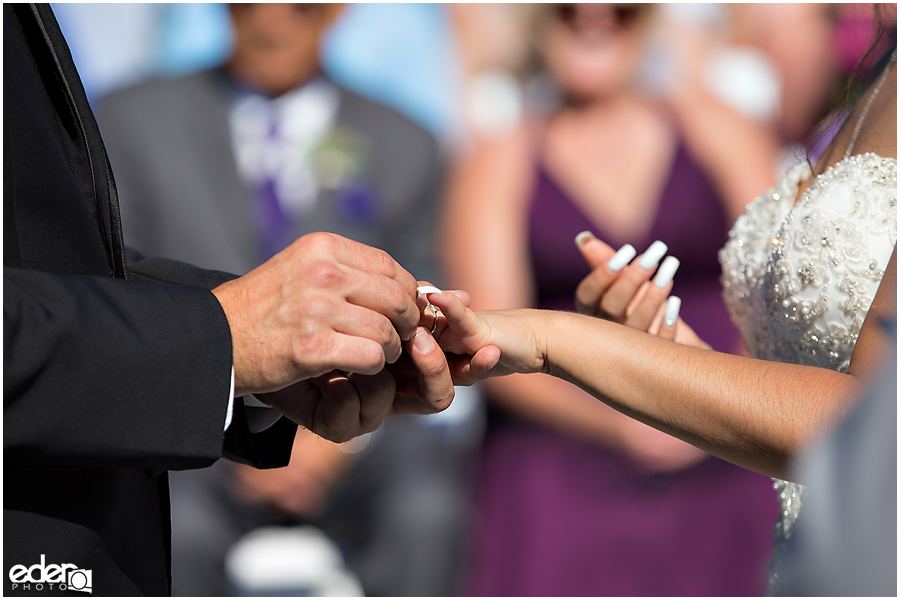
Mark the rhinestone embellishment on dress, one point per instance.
(799, 277)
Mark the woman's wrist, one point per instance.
(519, 335)
(542, 326)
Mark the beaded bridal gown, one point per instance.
(799, 276)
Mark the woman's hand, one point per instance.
(620, 290)
(623, 292)
(490, 343)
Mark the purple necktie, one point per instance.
(273, 224)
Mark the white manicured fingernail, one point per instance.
(428, 289)
(673, 307)
(621, 258)
(582, 237)
(666, 272)
(653, 255)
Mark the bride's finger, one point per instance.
(595, 251)
(463, 296)
(622, 293)
(451, 305)
(592, 290)
(484, 361)
(467, 370)
(426, 288)
(669, 324)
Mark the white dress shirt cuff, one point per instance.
(260, 415)
(230, 412)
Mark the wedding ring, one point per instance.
(424, 290)
(435, 311)
(437, 314)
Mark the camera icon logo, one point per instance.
(80, 580)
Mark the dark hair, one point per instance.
(884, 43)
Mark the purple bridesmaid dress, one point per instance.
(558, 517)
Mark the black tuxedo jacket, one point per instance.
(115, 369)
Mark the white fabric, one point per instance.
(799, 274)
(229, 414)
(799, 277)
(260, 416)
(304, 118)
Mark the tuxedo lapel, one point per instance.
(99, 192)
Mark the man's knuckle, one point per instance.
(371, 358)
(386, 262)
(384, 330)
(449, 396)
(397, 299)
(445, 400)
(434, 369)
(319, 240)
(314, 348)
(325, 274)
(316, 309)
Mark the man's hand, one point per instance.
(323, 304)
(339, 407)
(422, 377)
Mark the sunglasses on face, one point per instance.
(621, 15)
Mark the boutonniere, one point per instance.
(340, 162)
(340, 158)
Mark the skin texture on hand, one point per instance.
(337, 406)
(325, 303)
(314, 328)
(340, 406)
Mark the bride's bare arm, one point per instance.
(754, 413)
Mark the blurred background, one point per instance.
(472, 142)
